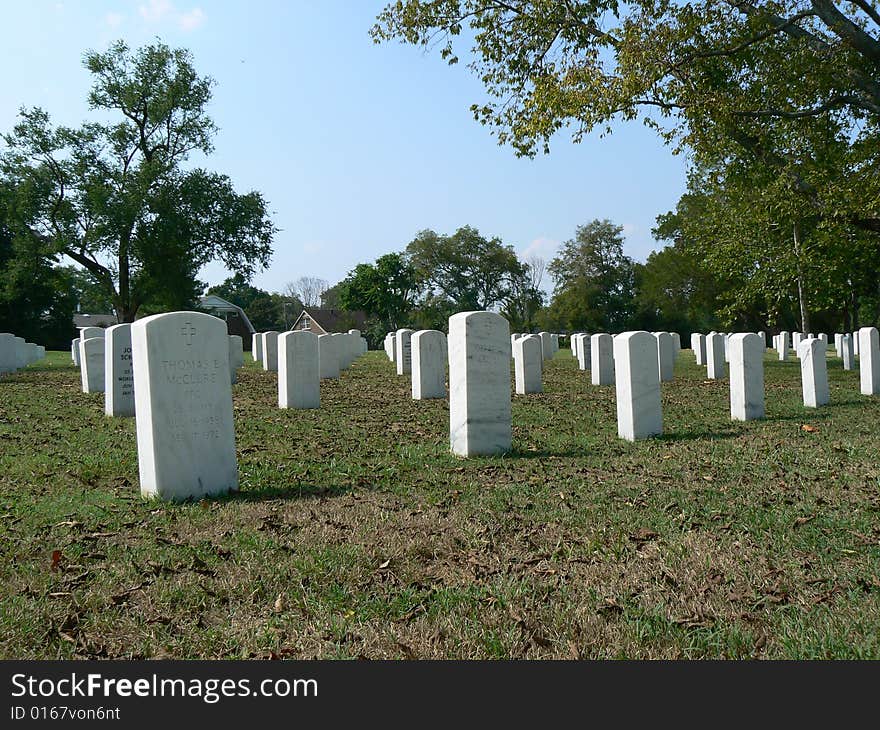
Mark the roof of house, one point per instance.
(334, 320)
(213, 303)
(94, 320)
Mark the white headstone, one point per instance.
(847, 352)
(546, 345)
(428, 364)
(91, 358)
(637, 382)
(299, 382)
(270, 351)
(8, 360)
(527, 355)
(183, 395)
(715, 356)
(869, 360)
(479, 384)
(403, 351)
(782, 345)
(665, 356)
(86, 333)
(814, 372)
(236, 357)
(746, 377)
(118, 372)
(602, 359)
(328, 358)
(257, 346)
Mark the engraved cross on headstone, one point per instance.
(188, 332)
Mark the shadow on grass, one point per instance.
(286, 493)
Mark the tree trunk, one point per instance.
(802, 297)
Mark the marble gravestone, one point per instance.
(270, 351)
(746, 376)
(328, 358)
(257, 346)
(715, 357)
(8, 362)
(91, 359)
(183, 406)
(637, 383)
(299, 381)
(118, 374)
(546, 345)
(665, 356)
(428, 364)
(782, 345)
(236, 357)
(527, 355)
(403, 351)
(341, 345)
(847, 353)
(74, 351)
(814, 372)
(479, 384)
(86, 333)
(602, 359)
(869, 361)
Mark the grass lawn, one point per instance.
(357, 534)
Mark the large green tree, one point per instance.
(37, 300)
(118, 197)
(385, 290)
(594, 281)
(720, 75)
(471, 271)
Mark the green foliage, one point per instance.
(385, 290)
(594, 282)
(469, 270)
(118, 197)
(36, 298)
(266, 311)
(771, 82)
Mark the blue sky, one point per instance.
(356, 146)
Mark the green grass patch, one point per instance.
(357, 534)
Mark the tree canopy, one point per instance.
(118, 198)
(471, 271)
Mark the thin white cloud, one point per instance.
(114, 20)
(162, 11)
(191, 19)
(541, 246)
(156, 10)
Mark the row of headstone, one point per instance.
(16, 353)
(183, 397)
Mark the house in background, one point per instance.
(94, 320)
(328, 321)
(237, 322)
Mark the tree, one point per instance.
(706, 74)
(265, 310)
(308, 290)
(386, 290)
(525, 297)
(36, 297)
(594, 281)
(473, 272)
(117, 196)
